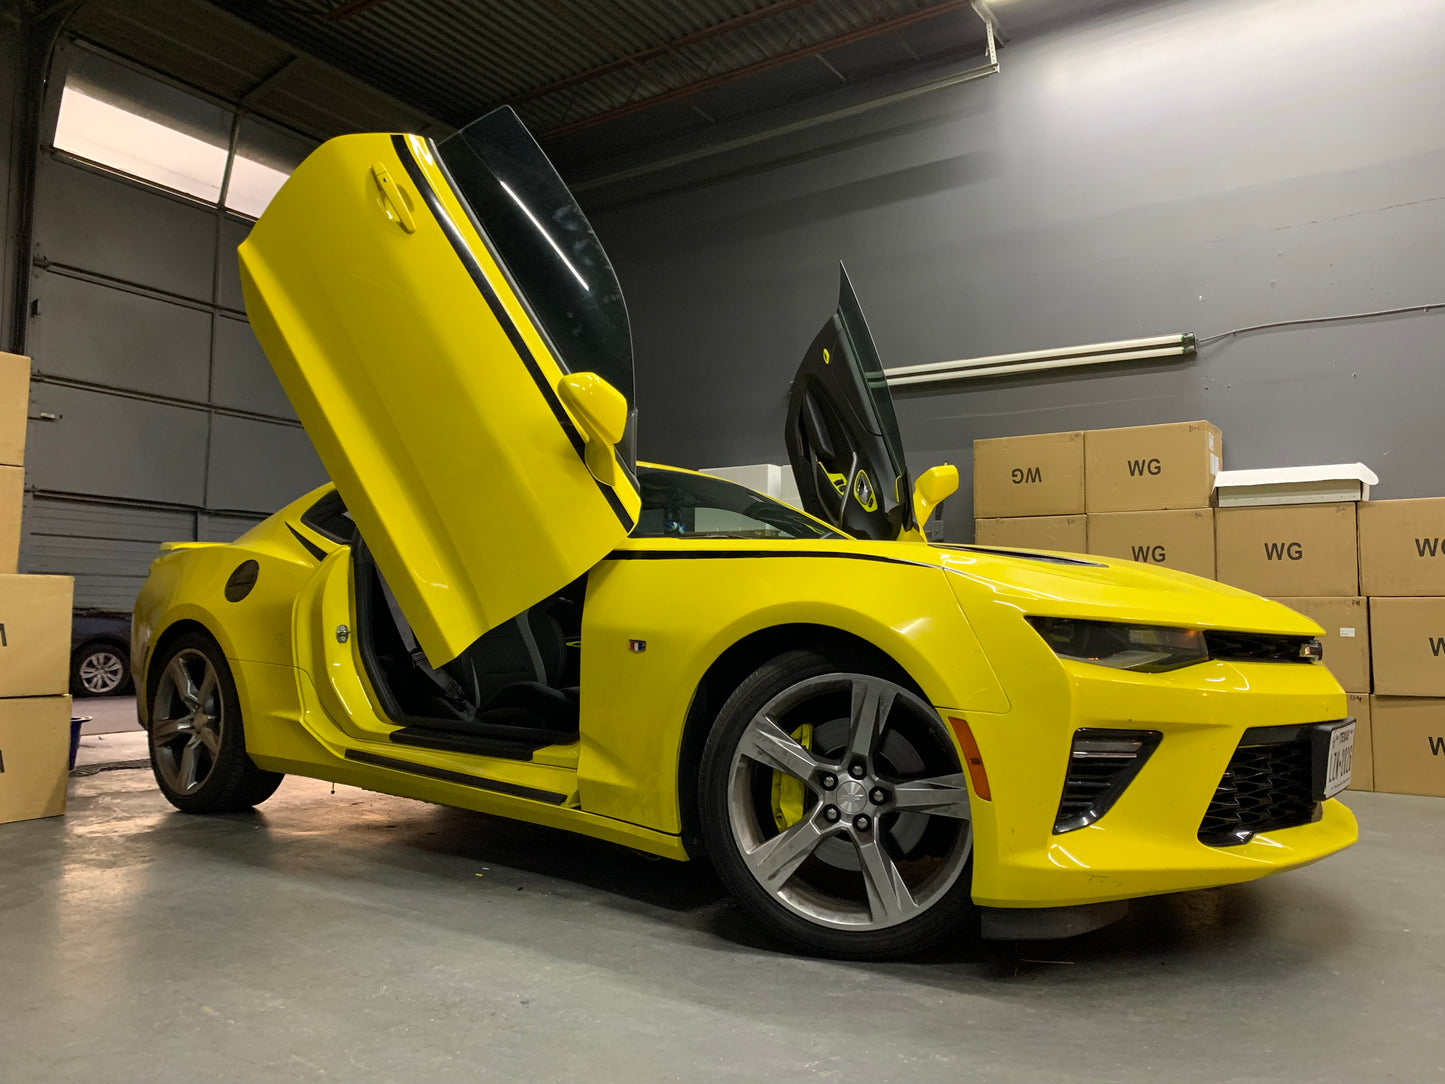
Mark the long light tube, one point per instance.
(1028, 361)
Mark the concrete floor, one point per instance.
(107, 714)
(353, 937)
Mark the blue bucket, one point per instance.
(76, 722)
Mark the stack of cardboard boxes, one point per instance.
(1141, 493)
(1144, 494)
(34, 637)
(1305, 556)
(1402, 570)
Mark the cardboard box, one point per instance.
(1067, 533)
(12, 496)
(1148, 467)
(1295, 551)
(1182, 539)
(1038, 475)
(14, 406)
(34, 757)
(1362, 772)
(1408, 744)
(35, 635)
(1346, 623)
(1402, 547)
(1407, 646)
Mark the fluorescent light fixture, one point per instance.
(1030, 361)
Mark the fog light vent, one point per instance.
(1101, 764)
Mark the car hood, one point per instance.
(1086, 586)
(1033, 581)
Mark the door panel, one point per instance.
(427, 390)
(842, 435)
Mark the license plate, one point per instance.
(1341, 758)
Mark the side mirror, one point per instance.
(933, 486)
(602, 412)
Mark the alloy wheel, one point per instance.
(879, 828)
(101, 672)
(186, 721)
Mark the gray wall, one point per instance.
(165, 421)
(1191, 166)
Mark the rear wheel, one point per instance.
(197, 741)
(835, 809)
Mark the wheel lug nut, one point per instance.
(829, 782)
(862, 822)
(878, 795)
(830, 813)
(857, 771)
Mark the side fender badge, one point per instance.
(637, 647)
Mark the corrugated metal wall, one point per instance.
(155, 415)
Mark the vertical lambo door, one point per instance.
(456, 344)
(842, 434)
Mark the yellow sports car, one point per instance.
(496, 607)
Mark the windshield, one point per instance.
(680, 505)
(546, 243)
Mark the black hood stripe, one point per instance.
(724, 555)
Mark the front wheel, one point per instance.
(197, 740)
(836, 811)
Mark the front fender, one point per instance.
(687, 613)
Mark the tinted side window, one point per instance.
(546, 242)
(329, 518)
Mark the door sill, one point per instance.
(496, 786)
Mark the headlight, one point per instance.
(1151, 649)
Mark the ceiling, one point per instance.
(596, 78)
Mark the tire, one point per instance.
(812, 853)
(197, 739)
(99, 668)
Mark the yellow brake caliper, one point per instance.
(789, 793)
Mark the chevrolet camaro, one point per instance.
(495, 606)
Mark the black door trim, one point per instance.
(446, 775)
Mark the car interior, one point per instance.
(513, 691)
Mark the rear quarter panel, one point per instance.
(187, 582)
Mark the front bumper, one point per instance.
(1148, 842)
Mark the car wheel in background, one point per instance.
(197, 739)
(99, 669)
(835, 809)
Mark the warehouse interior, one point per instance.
(1162, 279)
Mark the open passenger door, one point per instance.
(455, 342)
(842, 433)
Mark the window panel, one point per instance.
(265, 157)
(124, 120)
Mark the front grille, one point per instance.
(1261, 647)
(1101, 764)
(1267, 785)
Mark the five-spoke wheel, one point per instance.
(186, 724)
(835, 808)
(197, 742)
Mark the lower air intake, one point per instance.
(1101, 764)
(1268, 785)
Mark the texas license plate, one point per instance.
(1341, 758)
